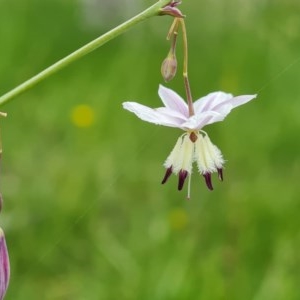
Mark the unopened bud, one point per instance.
(4, 265)
(169, 67)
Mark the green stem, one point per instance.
(93, 45)
(185, 70)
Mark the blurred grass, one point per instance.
(85, 215)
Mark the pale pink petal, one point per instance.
(171, 113)
(226, 106)
(215, 101)
(221, 103)
(240, 100)
(197, 122)
(151, 115)
(210, 101)
(213, 118)
(173, 101)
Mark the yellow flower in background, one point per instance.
(83, 116)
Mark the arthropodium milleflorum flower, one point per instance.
(4, 266)
(194, 145)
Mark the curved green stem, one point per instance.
(185, 70)
(149, 12)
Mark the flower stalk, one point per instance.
(188, 92)
(153, 10)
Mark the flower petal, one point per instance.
(210, 101)
(173, 101)
(226, 106)
(196, 122)
(171, 113)
(151, 115)
(220, 103)
(217, 100)
(240, 100)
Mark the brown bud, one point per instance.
(169, 67)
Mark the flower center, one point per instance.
(193, 136)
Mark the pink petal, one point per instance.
(173, 101)
(151, 115)
(226, 106)
(172, 113)
(240, 100)
(197, 122)
(210, 101)
(221, 103)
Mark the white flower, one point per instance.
(194, 145)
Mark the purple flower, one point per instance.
(194, 145)
(4, 266)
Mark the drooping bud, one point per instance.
(169, 66)
(4, 265)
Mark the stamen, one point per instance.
(220, 174)
(189, 189)
(207, 177)
(181, 179)
(167, 175)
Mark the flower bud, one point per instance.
(169, 66)
(4, 265)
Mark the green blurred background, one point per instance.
(85, 215)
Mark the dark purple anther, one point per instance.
(207, 177)
(181, 179)
(167, 175)
(220, 174)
